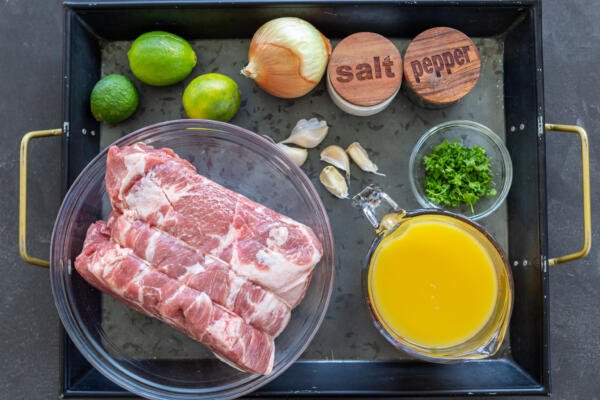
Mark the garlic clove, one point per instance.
(336, 156)
(360, 157)
(308, 133)
(287, 57)
(297, 155)
(334, 182)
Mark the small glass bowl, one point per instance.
(470, 134)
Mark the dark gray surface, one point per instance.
(30, 49)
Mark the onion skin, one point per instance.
(276, 77)
(287, 57)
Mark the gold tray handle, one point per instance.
(585, 183)
(23, 195)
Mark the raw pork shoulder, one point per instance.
(205, 260)
(257, 306)
(120, 273)
(258, 243)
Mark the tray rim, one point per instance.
(543, 387)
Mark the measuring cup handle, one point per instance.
(376, 204)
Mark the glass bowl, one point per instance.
(470, 134)
(243, 162)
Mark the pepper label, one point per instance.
(439, 63)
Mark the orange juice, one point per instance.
(432, 283)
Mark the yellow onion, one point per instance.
(287, 57)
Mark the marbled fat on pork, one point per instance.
(257, 306)
(118, 272)
(258, 243)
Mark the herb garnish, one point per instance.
(456, 174)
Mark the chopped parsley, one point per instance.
(456, 174)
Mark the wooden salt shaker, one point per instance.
(364, 73)
(441, 66)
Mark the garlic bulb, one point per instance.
(297, 155)
(359, 155)
(287, 57)
(308, 133)
(337, 157)
(334, 182)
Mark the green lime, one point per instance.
(113, 99)
(212, 96)
(161, 58)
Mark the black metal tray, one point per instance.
(523, 368)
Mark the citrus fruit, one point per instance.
(113, 99)
(212, 96)
(161, 58)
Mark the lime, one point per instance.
(113, 99)
(212, 96)
(161, 58)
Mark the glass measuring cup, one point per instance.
(389, 219)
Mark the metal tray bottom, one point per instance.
(347, 333)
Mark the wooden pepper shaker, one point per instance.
(441, 66)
